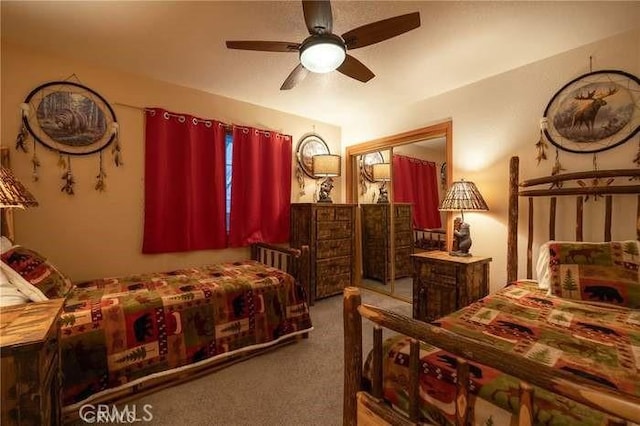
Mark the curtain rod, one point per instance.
(227, 126)
(415, 160)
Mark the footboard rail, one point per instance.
(291, 260)
(364, 407)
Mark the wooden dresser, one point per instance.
(376, 247)
(30, 363)
(443, 283)
(328, 229)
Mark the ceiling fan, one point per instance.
(324, 51)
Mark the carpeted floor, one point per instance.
(299, 384)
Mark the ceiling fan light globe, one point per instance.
(322, 56)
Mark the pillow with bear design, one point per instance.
(602, 273)
(33, 275)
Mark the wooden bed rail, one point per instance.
(293, 261)
(530, 372)
(594, 184)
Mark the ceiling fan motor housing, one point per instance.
(322, 53)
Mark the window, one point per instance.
(228, 141)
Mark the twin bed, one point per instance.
(566, 354)
(121, 338)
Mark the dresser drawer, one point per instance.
(404, 238)
(329, 285)
(334, 230)
(333, 248)
(338, 265)
(444, 269)
(334, 213)
(344, 213)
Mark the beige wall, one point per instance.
(498, 117)
(96, 234)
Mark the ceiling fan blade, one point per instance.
(297, 75)
(265, 46)
(317, 16)
(381, 30)
(351, 67)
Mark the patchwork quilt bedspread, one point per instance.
(595, 343)
(115, 331)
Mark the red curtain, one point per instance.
(260, 187)
(415, 181)
(184, 183)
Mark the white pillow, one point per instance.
(22, 285)
(542, 266)
(5, 244)
(9, 295)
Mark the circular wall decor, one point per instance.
(367, 162)
(69, 118)
(594, 112)
(308, 146)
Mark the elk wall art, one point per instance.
(592, 113)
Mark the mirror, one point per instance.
(388, 233)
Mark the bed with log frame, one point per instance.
(122, 338)
(398, 382)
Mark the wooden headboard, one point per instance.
(557, 188)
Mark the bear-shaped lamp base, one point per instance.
(462, 234)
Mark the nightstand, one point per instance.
(30, 362)
(443, 283)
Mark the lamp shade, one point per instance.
(12, 193)
(326, 165)
(381, 172)
(463, 195)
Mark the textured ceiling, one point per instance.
(457, 44)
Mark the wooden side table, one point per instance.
(30, 363)
(443, 283)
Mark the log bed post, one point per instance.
(352, 354)
(512, 227)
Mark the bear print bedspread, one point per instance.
(598, 344)
(119, 330)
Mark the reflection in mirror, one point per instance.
(389, 233)
(375, 222)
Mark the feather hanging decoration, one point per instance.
(23, 134)
(364, 187)
(68, 179)
(62, 163)
(542, 145)
(636, 160)
(101, 185)
(35, 163)
(116, 149)
(300, 179)
(556, 169)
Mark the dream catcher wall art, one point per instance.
(593, 113)
(71, 120)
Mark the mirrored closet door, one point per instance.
(397, 183)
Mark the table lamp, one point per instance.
(462, 195)
(327, 166)
(381, 172)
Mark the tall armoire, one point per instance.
(329, 231)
